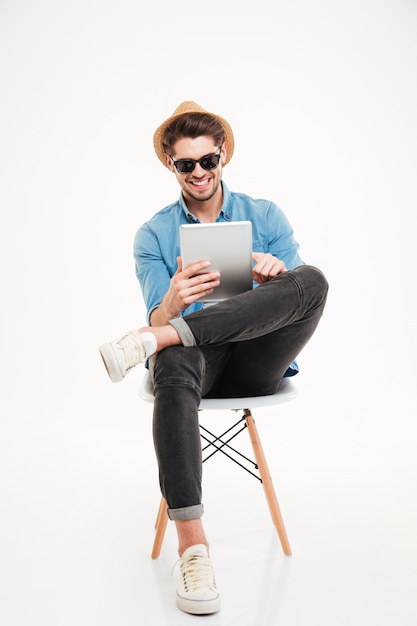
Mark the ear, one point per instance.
(223, 152)
(168, 162)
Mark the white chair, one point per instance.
(221, 443)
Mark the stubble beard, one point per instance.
(203, 198)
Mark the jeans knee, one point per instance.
(178, 366)
(313, 280)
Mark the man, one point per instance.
(241, 346)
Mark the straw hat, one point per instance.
(183, 109)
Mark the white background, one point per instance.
(322, 98)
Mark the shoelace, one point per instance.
(196, 571)
(133, 350)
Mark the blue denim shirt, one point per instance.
(157, 242)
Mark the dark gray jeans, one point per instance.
(239, 347)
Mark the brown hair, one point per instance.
(193, 125)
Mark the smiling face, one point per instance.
(200, 185)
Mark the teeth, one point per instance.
(200, 182)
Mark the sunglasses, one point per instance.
(186, 166)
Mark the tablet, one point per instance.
(228, 245)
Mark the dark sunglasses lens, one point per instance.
(210, 162)
(185, 166)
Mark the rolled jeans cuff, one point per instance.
(186, 513)
(184, 332)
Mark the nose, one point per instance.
(199, 172)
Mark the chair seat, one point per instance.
(285, 393)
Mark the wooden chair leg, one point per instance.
(267, 483)
(160, 526)
(162, 507)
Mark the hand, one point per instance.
(188, 285)
(266, 267)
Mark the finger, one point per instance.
(265, 265)
(196, 288)
(267, 268)
(179, 263)
(204, 280)
(196, 268)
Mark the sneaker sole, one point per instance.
(198, 607)
(111, 363)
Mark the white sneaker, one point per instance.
(121, 355)
(197, 592)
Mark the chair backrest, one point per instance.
(285, 393)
